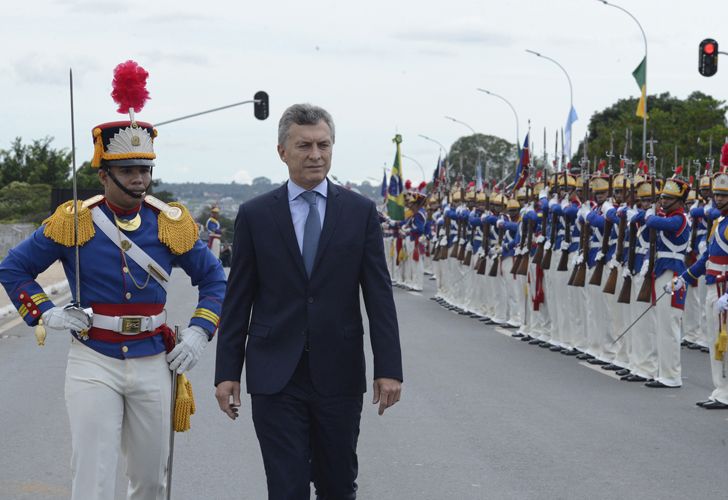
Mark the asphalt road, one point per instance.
(483, 416)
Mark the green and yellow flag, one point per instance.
(395, 196)
(640, 75)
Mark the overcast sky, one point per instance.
(380, 67)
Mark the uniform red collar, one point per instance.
(122, 211)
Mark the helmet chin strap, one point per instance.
(123, 188)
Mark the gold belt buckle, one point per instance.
(131, 324)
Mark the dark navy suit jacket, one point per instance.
(272, 310)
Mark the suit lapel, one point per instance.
(333, 209)
(282, 215)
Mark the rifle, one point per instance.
(468, 257)
(625, 294)
(485, 244)
(691, 256)
(564, 259)
(578, 277)
(596, 278)
(610, 286)
(645, 293)
(456, 244)
(496, 261)
(523, 263)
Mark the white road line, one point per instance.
(598, 369)
(504, 331)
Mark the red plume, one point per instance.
(678, 170)
(471, 184)
(643, 166)
(129, 87)
(408, 184)
(724, 154)
(602, 164)
(422, 186)
(539, 174)
(692, 179)
(621, 164)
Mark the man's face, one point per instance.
(136, 179)
(668, 203)
(600, 196)
(721, 201)
(307, 152)
(705, 193)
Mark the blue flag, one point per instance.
(522, 170)
(384, 185)
(567, 132)
(479, 176)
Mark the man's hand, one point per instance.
(66, 318)
(187, 353)
(226, 391)
(386, 393)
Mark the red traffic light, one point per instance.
(708, 57)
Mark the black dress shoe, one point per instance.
(534, 341)
(485, 319)
(703, 403)
(704, 349)
(555, 348)
(694, 347)
(584, 355)
(516, 335)
(656, 384)
(684, 343)
(715, 405)
(634, 378)
(526, 338)
(595, 361)
(569, 352)
(622, 372)
(545, 345)
(611, 367)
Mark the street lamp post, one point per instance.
(644, 38)
(460, 122)
(422, 170)
(571, 87)
(444, 151)
(518, 133)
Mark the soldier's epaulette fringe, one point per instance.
(59, 227)
(177, 229)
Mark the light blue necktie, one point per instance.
(311, 231)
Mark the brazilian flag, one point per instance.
(395, 196)
(640, 75)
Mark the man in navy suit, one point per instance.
(301, 255)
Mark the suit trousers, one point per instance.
(306, 437)
(112, 404)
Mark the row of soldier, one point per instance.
(539, 262)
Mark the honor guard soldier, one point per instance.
(214, 231)
(118, 381)
(714, 263)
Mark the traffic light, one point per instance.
(708, 57)
(260, 108)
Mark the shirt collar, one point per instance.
(294, 190)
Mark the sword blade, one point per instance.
(75, 195)
(638, 318)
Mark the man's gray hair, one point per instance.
(303, 114)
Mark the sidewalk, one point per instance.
(53, 281)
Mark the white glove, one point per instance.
(462, 241)
(612, 263)
(565, 246)
(443, 241)
(649, 213)
(579, 259)
(599, 256)
(544, 193)
(583, 211)
(702, 247)
(547, 245)
(626, 272)
(607, 206)
(675, 285)
(722, 303)
(540, 239)
(499, 223)
(187, 353)
(67, 318)
(631, 212)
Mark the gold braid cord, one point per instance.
(59, 226)
(177, 228)
(184, 404)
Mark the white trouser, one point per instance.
(620, 319)
(568, 302)
(643, 353)
(694, 319)
(541, 323)
(553, 291)
(579, 301)
(720, 382)
(667, 338)
(596, 320)
(502, 293)
(520, 314)
(117, 404)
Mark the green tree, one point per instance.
(496, 155)
(686, 123)
(35, 163)
(23, 202)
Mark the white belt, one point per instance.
(129, 325)
(670, 255)
(712, 266)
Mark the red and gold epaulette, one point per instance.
(59, 227)
(177, 228)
